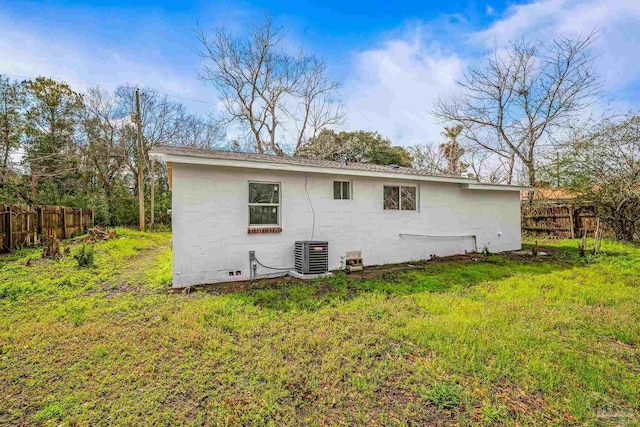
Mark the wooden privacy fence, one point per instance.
(25, 226)
(558, 220)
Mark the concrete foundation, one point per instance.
(309, 276)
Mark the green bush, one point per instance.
(84, 256)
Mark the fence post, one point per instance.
(34, 230)
(29, 226)
(9, 228)
(38, 228)
(572, 221)
(64, 223)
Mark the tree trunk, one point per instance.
(153, 192)
(5, 162)
(259, 146)
(5, 155)
(512, 166)
(35, 181)
(613, 216)
(624, 230)
(531, 170)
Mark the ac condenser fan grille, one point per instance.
(311, 257)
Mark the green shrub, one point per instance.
(84, 256)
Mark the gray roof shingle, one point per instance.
(299, 161)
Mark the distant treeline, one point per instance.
(79, 149)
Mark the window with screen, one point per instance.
(264, 203)
(341, 190)
(399, 198)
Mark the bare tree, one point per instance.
(447, 158)
(484, 166)
(521, 96)
(100, 145)
(162, 122)
(426, 157)
(198, 132)
(605, 170)
(279, 99)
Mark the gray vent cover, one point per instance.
(312, 257)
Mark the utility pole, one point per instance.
(140, 160)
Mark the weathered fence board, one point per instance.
(24, 226)
(558, 220)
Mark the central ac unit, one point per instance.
(311, 257)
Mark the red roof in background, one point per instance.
(549, 194)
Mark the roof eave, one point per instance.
(497, 187)
(197, 160)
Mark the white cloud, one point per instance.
(617, 21)
(393, 86)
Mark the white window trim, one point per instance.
(416, 186)
(278, 205)
(350, 188)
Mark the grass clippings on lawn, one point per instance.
(499, 340)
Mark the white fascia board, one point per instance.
(496, 187)
(157, 156)
(301, 168)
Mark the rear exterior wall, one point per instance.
(210, 217)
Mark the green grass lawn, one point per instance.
(497, 340)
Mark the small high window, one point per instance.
(341, 190)
(264, 203)
(399, 198)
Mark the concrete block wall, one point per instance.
(210, 221)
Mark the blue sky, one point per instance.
(394, 58)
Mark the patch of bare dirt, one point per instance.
(370, 272)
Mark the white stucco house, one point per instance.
(226, 204)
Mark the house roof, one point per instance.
(190, 155)
(302, 161)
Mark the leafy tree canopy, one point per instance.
(360, 146)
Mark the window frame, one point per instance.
(342, 181)
(277, 205)
(400, 187)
